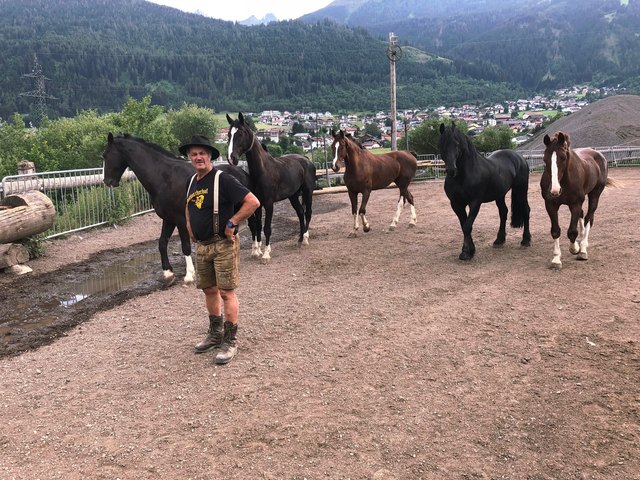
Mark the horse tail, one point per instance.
(519, 204)
(611, 182)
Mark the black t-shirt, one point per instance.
(200, 203)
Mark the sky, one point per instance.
(233, 10)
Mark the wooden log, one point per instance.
(13, 254)
(30, 213)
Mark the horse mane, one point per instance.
(153, 146)
(467, 143)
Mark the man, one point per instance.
(218, 246)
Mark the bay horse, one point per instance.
(366, 171)
(165, 177)
(274, 179)
(473, 179)
(570, 175)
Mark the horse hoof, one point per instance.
(497, 244)
(168, 277)
(582, 256)
(574, 251)
(366, 229)
(465, 256)
(353, 235)
(265, 261)
(412, 224)
(556, 266)
(392, 227)
(525, 243)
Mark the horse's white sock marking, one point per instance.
(305, 238)
(584, 242)
(256, 249)
(555, 261)
(266, 257)
(396, 217)
(190, 275)
(414, 216)
(365, 223)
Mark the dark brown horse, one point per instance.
(366, 171)
(291, 176)
(570, 175)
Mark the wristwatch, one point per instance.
(230, 224)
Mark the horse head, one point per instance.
(114, 163)
(451, 146)
(556, 154)
(240, 138)
(339, 147)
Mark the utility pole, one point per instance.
(394, 53)
(39, 93)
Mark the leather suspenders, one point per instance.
(216, 188)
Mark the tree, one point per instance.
(425, 138)
(191, 120)
(373, 130)
(494, 138)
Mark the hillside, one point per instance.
(607, 122)
(535, 43)
(98, 53)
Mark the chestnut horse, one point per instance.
(291, 176)
(570, 175)
(366, 171)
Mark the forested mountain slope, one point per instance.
(97, 53)
(534, 43)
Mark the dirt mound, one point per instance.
(607, 122)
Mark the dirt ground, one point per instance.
(381, 357)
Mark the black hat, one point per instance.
(199, 141)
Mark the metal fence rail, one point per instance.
(80, 198)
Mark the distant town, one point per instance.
(523, 116)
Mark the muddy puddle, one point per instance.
(38, 309)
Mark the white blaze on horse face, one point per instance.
(555, 183)
(335, 158)
(230, 146)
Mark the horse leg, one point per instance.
(163, 242)
(502, 231)
(409, 198)
(363, 211)
(396, 217)
(307, 200)
(594, 198)
(572, 232)
(266, 256)
(256, 232)
(555, 234)
(295, 203)
(185, 241)
(353, 197)
(460, 210)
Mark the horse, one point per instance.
(570, 175)
(473, 179)
(366, 171)
(165, 177)
(273, 180)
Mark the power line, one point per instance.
(39, 93)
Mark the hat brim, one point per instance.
(185, 148)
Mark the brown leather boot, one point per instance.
(214, 335)
(228, 349)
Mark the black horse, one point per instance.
(473, 179)
(165, 177)
(273, 179)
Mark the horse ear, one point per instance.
(546, 140)
(240, 117)
(564, 138)
(441, 128)
(333, 133)
(110, 138)
(229, 119)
